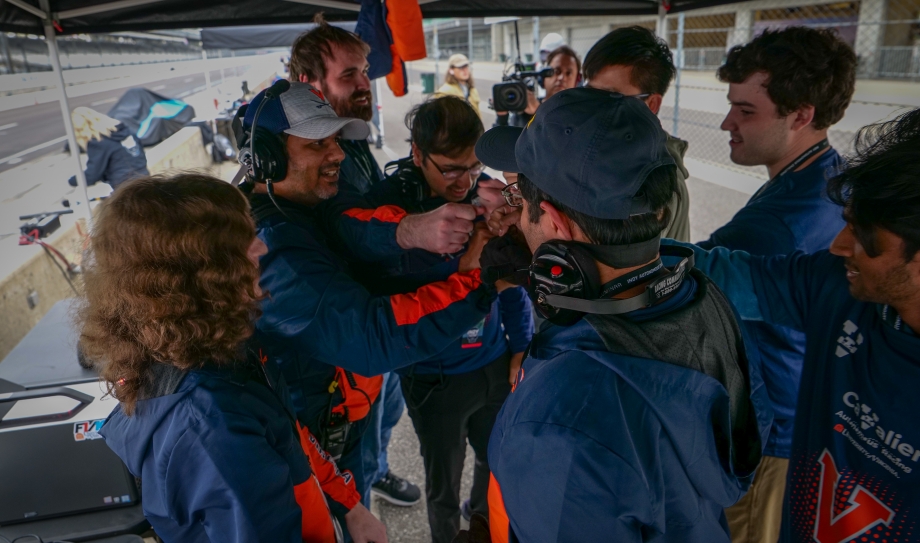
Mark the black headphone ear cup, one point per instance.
(269, 157)
(566, 270)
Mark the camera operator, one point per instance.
(458, 81)
(454, 396)
(566, 67)
(639, 415)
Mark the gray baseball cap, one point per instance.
(303, 111)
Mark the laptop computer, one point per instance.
(59, 467)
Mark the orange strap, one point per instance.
(498, 517)
(358, 393)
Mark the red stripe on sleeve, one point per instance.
(410, 308)
(382, 214)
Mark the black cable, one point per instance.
(63, 272)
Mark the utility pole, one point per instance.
(469, 38)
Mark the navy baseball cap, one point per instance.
(303, 111)
(589, 149)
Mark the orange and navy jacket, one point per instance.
(318, 318)
(509, 324)
(222, 459)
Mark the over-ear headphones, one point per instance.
(262, 153)
(565, 269)
(410, 179)
(565, 283)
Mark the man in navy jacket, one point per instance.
(782, 105)
(454, 396)
(327, 330)
(853, 469)
(636, 426)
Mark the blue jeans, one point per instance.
(384, 415)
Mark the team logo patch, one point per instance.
(88, 429)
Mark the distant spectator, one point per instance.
(114, 155)
(459, 81)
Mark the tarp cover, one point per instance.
(257, 37)
(150, 116)
(164, 14)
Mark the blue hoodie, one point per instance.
(594, 445)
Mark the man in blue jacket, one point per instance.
(454, 396)
(327, 331)
(854, 469)
(782, 105)
(644, 419)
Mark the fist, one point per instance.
(470, 259)
(445, 230)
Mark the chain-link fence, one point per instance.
(885, 35)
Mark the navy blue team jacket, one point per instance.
(593, 446)
(854, 472)
(317, 316)
(790, 213)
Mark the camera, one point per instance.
(511, 94)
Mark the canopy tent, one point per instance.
(88, 16)
(257, 37)
(60, 17)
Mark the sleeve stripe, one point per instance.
(392, 214)
(411, 308)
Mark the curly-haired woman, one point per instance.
(171, 295)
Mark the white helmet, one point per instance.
(551, 41)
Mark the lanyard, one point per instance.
(611, 288)
(799, 160)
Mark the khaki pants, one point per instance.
(756, 518)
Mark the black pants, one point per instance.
(457, 408)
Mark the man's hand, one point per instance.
(364, 527)
(489, 193)
(516, 360)
(532, 103)
(507, 258)
(502, 218)
(444, 230)
(470, 259)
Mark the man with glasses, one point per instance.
(455, 396)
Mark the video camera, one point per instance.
(511, 93)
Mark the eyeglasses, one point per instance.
(455, 174)
(639, 96)
(512, 195)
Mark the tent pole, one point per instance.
(379, 106)
(51, 39)
(207, 72)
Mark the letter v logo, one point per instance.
(863, 513)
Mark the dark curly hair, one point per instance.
(446, 125)
(880, 188)
(806, 66)
(637, 47)
(167, 280)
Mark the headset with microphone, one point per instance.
(262, 154)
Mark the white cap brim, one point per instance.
(318, 128)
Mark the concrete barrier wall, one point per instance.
(29, 292)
